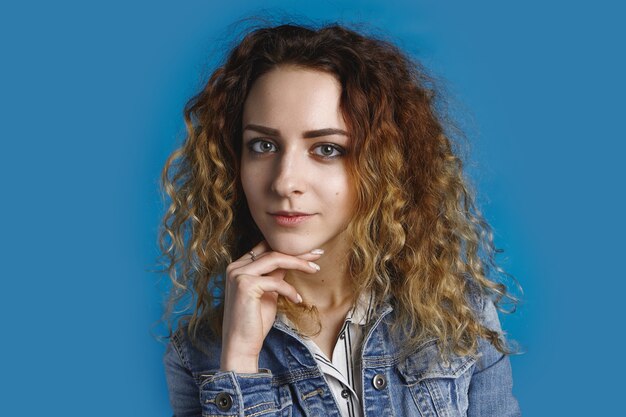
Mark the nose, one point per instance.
(290, 175)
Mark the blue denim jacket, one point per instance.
(290, 383)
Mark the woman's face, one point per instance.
(293, 164)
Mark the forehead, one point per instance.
(293, 97)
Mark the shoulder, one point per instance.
(482, 305)
(486, 313)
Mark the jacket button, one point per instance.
(224, 401)
(345, 393)
(379, 381)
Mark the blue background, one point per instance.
(91, 95)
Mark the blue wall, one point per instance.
(90, 107)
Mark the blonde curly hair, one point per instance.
(419, 240)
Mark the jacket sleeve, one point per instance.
(216, 394)
(491, 386)
(183, 390)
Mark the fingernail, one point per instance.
(299, 298)
(317, 251)
(314, 266)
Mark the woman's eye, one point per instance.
(328, 151)
(262, 146)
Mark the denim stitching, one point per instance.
(178, 346)
(318, 391)
(258, 405)
(295, 376)
(438, 399)
(269, 410)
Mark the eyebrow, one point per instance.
(307, 135)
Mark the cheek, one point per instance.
(250, 187)
(341, 192)
(252, 197)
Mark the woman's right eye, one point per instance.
(261, 146)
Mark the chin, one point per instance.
(289, 246)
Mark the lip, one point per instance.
(290, 218)
(289, 213)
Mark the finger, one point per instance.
(273, 261)
(258, 250)
(310, 256)
(261, 247)
(268, 284)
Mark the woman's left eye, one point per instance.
(328, 150)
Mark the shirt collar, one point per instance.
(362, 310)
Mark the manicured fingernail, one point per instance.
(299, 298)
(314, 266)
(317, 251)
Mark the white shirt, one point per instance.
(343, 372)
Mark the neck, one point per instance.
(329, 288)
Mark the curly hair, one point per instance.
(418, 238)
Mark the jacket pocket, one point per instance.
(438, 388)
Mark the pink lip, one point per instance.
(284, 218)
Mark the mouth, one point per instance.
(290, 218)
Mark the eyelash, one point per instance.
(341, 152)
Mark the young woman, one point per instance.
(322, 229)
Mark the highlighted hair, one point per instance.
(419, 239)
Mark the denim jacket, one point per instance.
(289, 382)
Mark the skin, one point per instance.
(293, 159)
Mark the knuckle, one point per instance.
(230, 275)
(240, 280)
(233, 279)
(281, 258)
(272, 256)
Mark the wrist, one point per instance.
(240, 364)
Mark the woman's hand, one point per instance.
(250, 302)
